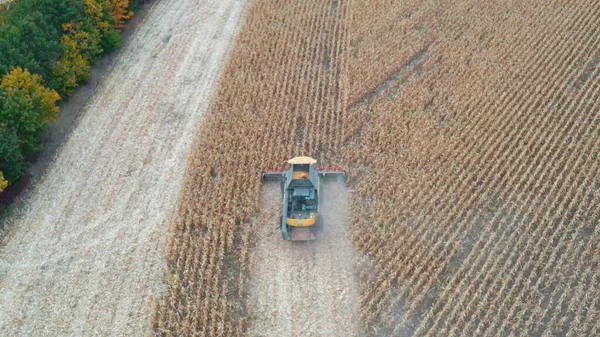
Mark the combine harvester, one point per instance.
(301, 186)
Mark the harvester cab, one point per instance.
(301, 186)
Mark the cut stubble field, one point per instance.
(85, 256)
(304, 288)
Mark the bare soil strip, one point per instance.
(86, 255)
(304, 288)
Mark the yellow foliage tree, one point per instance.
(26, 106)
(74, 65)
(3, 182)
(93, 9)
(120, 11)
(20, 83)
(86, 43)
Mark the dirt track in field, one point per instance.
(304, 288)
(86, 254)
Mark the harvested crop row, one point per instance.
(304, 288)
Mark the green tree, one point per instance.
(30, 37)
(3, 11)
(47, 45)
(26, 107)
(12, 162)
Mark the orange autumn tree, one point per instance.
(120, 11)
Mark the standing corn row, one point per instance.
(277, 96)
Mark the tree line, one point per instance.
(47, 48)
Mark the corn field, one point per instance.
(471, 134)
